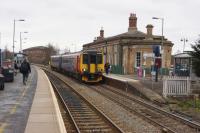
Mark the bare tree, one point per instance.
(52, 50)
(7, 54)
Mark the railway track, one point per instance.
(168, 122)
(82, 115)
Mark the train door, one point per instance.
(92, 64)
(78, 64)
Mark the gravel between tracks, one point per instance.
(124, 119)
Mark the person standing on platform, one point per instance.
(25, 69)
(15, 68)
(107, 67)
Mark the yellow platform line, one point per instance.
(13, 109)
(3, 127)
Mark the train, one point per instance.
(18, 58)
(86, 65)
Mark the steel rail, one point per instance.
(106, 118)
(163, 127)
(66, 107)
(177, 117)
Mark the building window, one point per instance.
(138, 59)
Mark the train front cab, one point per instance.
(92, 66)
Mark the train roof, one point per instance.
(55, 56)
(72, 54)
(91, 51)
(76, 53)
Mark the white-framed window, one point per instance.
(138, 59)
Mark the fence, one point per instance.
(116, 69)
(176, 86)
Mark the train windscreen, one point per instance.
(93, 59)
(99, 59)
(85, 59)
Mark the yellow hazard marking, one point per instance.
(14, 108)
(2, 127)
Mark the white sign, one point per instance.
(148, 55)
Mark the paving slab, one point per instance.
(15, 103)
(45, 116)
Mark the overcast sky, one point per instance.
(71, 23)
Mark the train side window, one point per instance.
(92, 59)
(85, 59)
(99, 59)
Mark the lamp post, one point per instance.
(14, 35)
(21, 41)
(184, 40)
(0, 52)
(162, 49)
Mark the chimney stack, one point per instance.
(149, 30)
(102, 33)
(132, 22)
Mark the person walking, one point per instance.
(25, 69)
(15, 68)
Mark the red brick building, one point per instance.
(38, 55)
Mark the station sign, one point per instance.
(145, 55)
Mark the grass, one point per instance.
(190, 104)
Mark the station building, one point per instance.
(38, 55)
(128, 51)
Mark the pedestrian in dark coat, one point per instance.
(107, 67)
(25, 69)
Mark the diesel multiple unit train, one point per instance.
(86, 66)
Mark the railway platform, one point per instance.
(145, 87)
(30, 108)
(15, 103)
(45, 116)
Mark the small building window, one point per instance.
(138, 59)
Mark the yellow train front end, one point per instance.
(91, 66)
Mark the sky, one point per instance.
(68, 24)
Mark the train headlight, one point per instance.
(84, 69)
(99, 70)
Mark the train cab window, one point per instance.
(93, 59)
(85, 59)
(99, 59)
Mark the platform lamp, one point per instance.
(184, 40)
(14, 35)
(21, 40)
(162, 50)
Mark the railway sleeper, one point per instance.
(83, 115)
(95, 129)
(81, 111)
(86, 117)
(92, 123)
(79, 108)
(88, 120)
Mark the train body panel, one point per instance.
(70, 63)
(85, 65)
(55, 62)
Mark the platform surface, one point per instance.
(45, 115)
(15, 103)
(147, 87)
